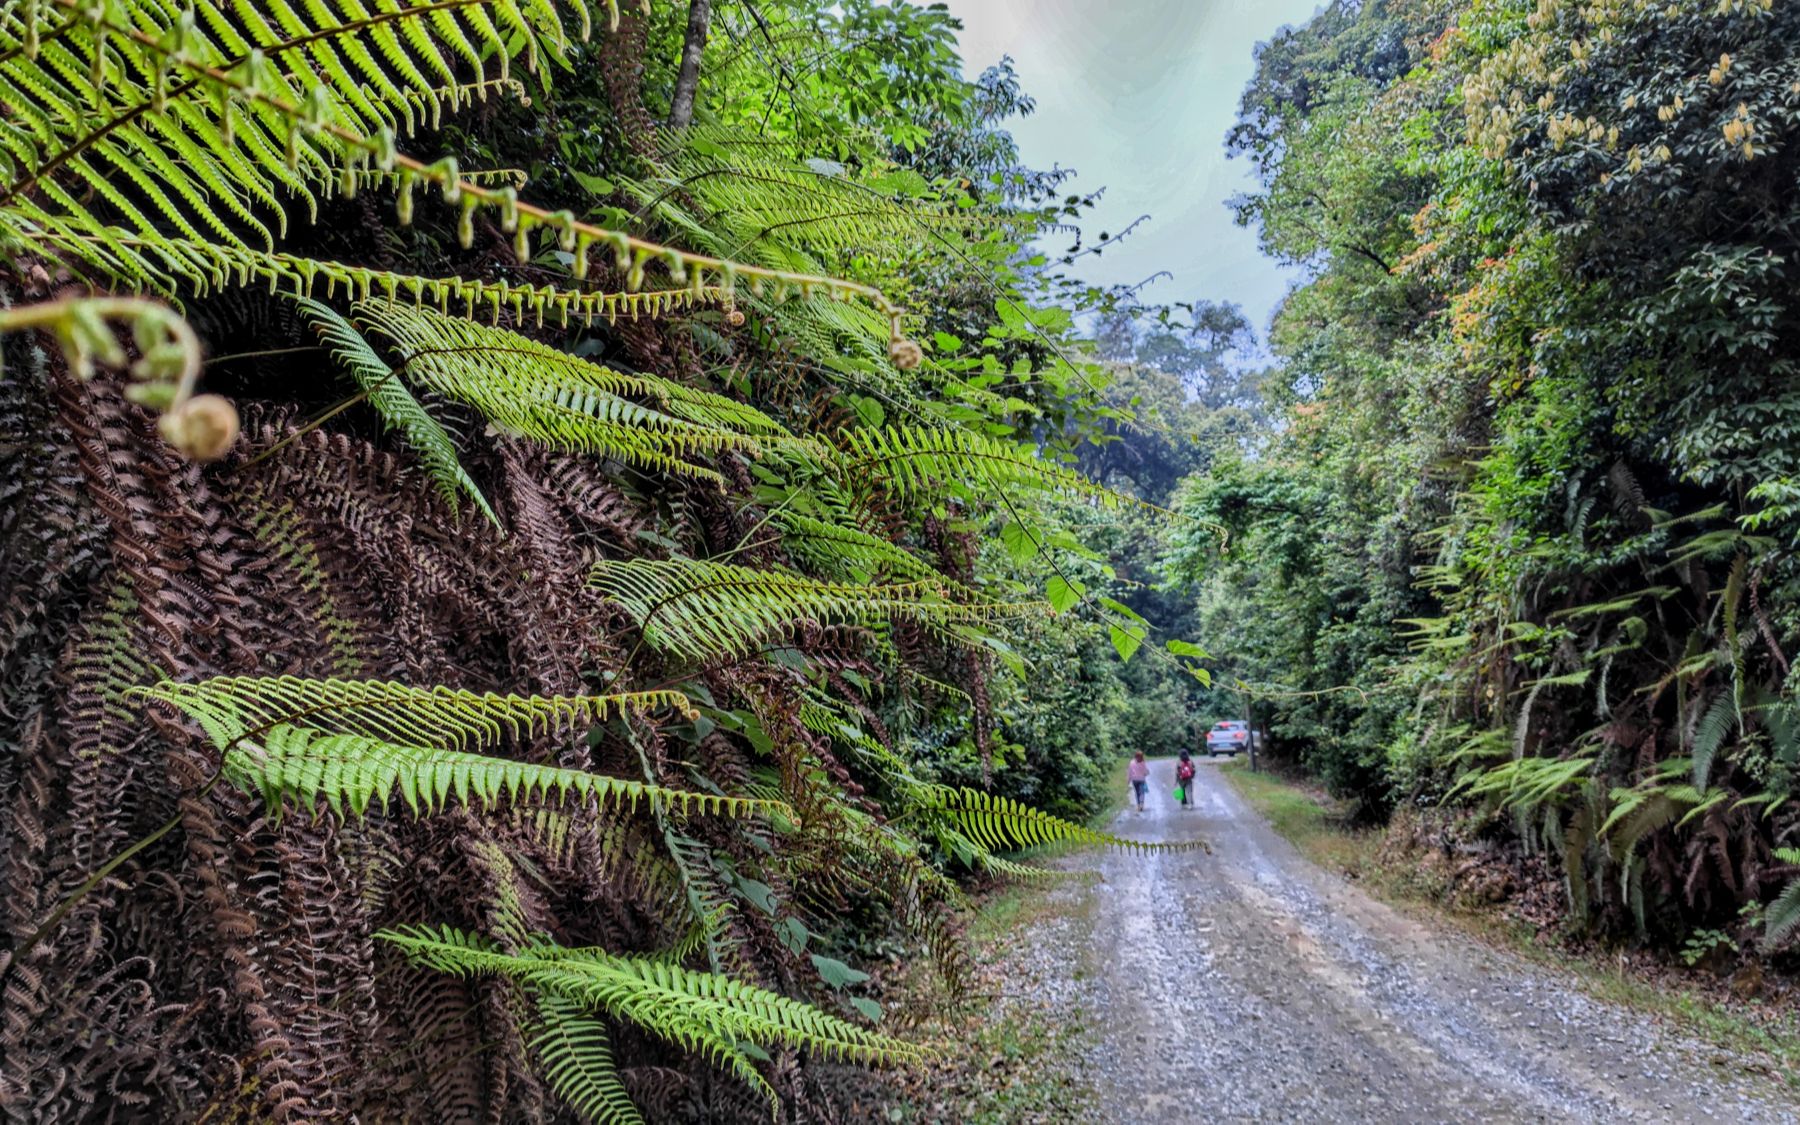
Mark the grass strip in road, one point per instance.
(1310, 820)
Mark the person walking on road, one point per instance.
(1184, 780)
(1139, 773)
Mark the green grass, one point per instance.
(1309, 820)
(1116, 803)
(1003, 911)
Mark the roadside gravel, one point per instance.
(1250, 985)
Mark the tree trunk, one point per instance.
(687, 81)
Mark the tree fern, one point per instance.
(1714, 726)
(574, 1053)
(396, 405)
(537, 392)
(209, 119)
(169, 149)
(1003, 824)
(350, 772)
(701, 610)
(924, 460)
(151, 147)
(706, 1013)
(351, 743)
(230, 707)
(851, 553)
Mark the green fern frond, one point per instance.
(701, 610)
(1003, 824)
(1637, 813)
(455, 349)
(351, 771)
(745, 199)
(165, 150)
(769, 208)
(1710, 734)
(1526, 783)
(224, 115)
(548, 396)
(1011, 869)
(175, 265)
(231, 707)
(1783, 916)
(396, 405)
(709, 906)
(709, 1014)
(350, 743)
(849, 552)
(575, 1055)
(927, 461)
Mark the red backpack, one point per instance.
(1185, 771)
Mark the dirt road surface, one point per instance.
(1249, 985)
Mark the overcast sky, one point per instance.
(1137, 95)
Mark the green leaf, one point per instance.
(836, 973)
(1125, 641)
(1186, 648)
(599, 185)
(869, 1008)
(1123, 610)
(793, 934)
(1063, 594)
(759, 893)
(868, 411)
(1020, 545)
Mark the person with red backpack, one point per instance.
(1184, 777)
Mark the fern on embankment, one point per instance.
(702, 1012)
(168, 151)
(349, 744)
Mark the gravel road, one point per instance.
(1251, 985)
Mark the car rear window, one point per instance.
(1229, 726)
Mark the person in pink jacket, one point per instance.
(1139, 773)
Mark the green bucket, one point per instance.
(1180, 793)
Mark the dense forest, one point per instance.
(546, 547)
(1521, 541)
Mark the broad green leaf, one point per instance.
(836, 973)
(1123, 610)
(869, 1008)
(1019, 543)
(1125, 641)
(1063, 594)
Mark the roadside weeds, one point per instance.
(1019, 1049)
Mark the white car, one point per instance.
(1229, 737)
